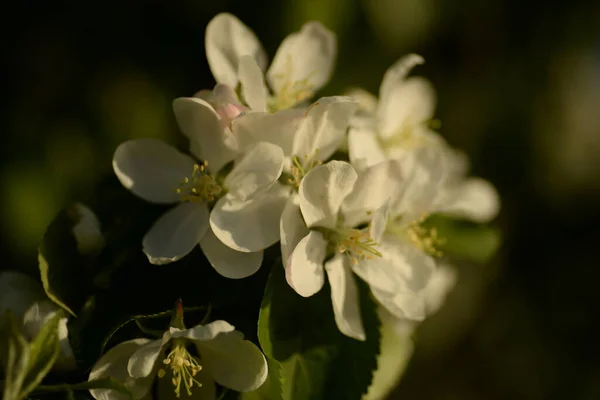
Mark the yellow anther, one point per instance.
(200, 187)
(425, 239)
(300, 169)
(355, 243)
(291, 92)
(183, 368)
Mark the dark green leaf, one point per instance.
(315, 358)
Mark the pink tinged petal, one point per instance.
(291, 227)
(364, 148)
(324, 127)
(143, 361)
(255, 172)
(227, 40)
(114, 364)
(409, 105)
(475, 199)
(322, 191)
(304, 267)
(396, 74)
(252, 225)
(176, 233)
(306, 55)
(344, 298)
(374, 188)
(151, 169)
(278, 128)
(200, 123)
(233, 362)
(228, 262)
(252, 82)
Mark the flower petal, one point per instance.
(278, 128)
(18, 292)
(143, 361)
(475, 199)
(113, 364)
(322, 191)
(151, 169)
(367, 100)
(233, 362)
(291, 227)
(344, 298)
(252, 225)
(373, 189)
(86, 230)
(252, 82)
(227, 39)
(304, 267)
(396, 74)
(441, 283)
(199, 121)
(204, 332)
(176, 233)
(324, 127)
(408, 105)
(308, 55)
(364, 149)
(255, 172)
(227, 261)
(406, 304)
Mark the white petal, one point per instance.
(227, 261)
(379, 222)
(306, 55)
(18, 292)
(86, 230)
(233, 362)
(407, 106)
(364, 148)
(475, 199)
(252, 225)
(367, 100)
(324, 127)
(441, 283)
(151, 169)
(291, 227)
(405, 304)
(198, 120)
(304, 267)
(373, 189)
(255, 172)
(396, 74)
(344, 298)
(176, 233)
(204, 332)
(322, 191)
(278, 128)
(227, 39)
(114, 364)
(252, 81)
(143, 361)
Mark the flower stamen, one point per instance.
(355, 243)
(183, 367)
(200, 187)
(300, 169)
(425, 239)
(291, 92)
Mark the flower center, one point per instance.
(200, 187)
(183, 367)
(355, 243)
(408, 137)
(291, 92)
(301, 167)
(425, 239)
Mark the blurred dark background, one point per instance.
(518, 89)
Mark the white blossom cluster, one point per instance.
(343, 183)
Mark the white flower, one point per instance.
(222, 355)
(316, 237)
(159, 173)
(302, 65)
(30, 306)
(398, 122)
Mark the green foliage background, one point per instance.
(519, 90)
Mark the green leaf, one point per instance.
(61, 264)
(271, 389)
(104, 383)
(316, 359)
(26, 364)
(466, 240)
